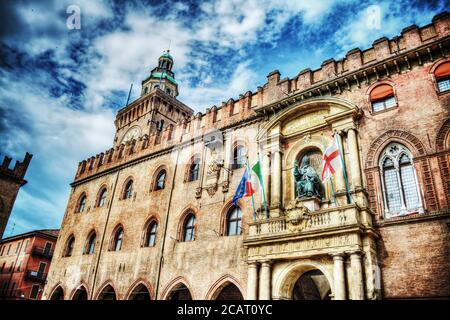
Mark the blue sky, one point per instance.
(60, 88)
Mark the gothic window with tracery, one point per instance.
(400, 187)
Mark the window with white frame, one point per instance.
(442, 76)
(399, 182)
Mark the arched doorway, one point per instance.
(229, 292)
(108, 293)
(80, 294)
(180, 292)
(140, 292)
(58, 294)
(312, 285)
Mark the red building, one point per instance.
(24, 263)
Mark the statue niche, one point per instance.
(307, 181)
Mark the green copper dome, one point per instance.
(166, 55)
(162, 75)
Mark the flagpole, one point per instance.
(263, 193)
(253, 199)
(347, 188)
(332, 190)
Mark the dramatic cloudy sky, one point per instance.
(60, 88)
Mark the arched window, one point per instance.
(400, 187)
(69, 247)
(234, 222)
(90, 244)
(189, 228)
(442, 75)
(102, 198)
(194, 170)
(128, 191)
(239, 157)
(382, 97)
(150, 235)
(81, 204)
(117, 240)
(160, 180)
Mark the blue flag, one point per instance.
(244, 188)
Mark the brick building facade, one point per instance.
(24, 263)
(11, 180)
(152, 217)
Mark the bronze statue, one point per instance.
(307, 181)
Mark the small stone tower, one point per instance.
(10, 182)
(162, 77)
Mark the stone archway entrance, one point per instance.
(312, 285)
(180, 292)
(229, 292)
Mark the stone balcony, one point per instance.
(308, 232)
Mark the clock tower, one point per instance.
(156, 110)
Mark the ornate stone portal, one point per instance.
(306, 227)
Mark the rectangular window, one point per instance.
(9, 249)
(18, 247)
(47, 248)
(34, 291)
(26, 246)
(444, 85)
(41, 269)
(384, 104)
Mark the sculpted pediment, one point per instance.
(307, 115)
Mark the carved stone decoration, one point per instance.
(296, 218)
(198, 192)
(211, 189)
(225, 186)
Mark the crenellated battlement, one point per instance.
(384, 58)
(19, 170)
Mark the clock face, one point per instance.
(131, 134)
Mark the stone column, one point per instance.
(275, 194)
(264, 281)
(252, 281)
(355, 166)
(339, 276)
(339, 176)
(357, 285)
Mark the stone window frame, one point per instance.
(103, 188)
(158, 171)
(382, 157)
(187, 175)
(238, 144)
(70, 240)
(372, 87)
(78, 207)
(112, 243)
(182, 225)
(433, 77)
(223, 231)
(144, 239)
(86, 248)
(123, 194)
